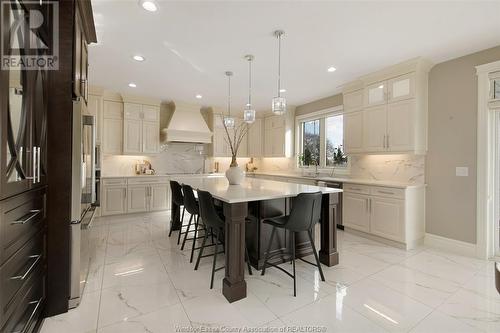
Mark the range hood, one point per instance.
(186, 125)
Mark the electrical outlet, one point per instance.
(462, 171)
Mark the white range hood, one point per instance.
(187, 125)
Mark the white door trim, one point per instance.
(485, 214)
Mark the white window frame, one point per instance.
(321, 115)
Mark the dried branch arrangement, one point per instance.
(233, 140)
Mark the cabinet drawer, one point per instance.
(388, 192)
(27, 306)
(21, 217)
(362, 189)
(147, 180)
(19, 269)
(114, 181)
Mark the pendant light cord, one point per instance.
(249, 83)
(229, 96)
(279, 65)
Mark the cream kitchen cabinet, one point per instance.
(94, 106)
(220, 146)
(114, 196)
(356, 211)
(255, 139)
(278, 138)
(141, 129)
(112, 129)
(353, 132)
(135, 195)
(395, 215)
(395, 108)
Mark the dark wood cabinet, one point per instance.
(80, 51)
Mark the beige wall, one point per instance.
(320, 104)
(451, 200)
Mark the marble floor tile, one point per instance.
(140, 281)
(392, 310)
(331, 313)
(442, 323)
(427, 289)
(166, 319)
(82, 319)
(121, 303)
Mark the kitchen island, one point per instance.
(236, 200)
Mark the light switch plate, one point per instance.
(462, 171)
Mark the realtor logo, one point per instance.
(29, 35)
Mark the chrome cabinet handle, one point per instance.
(387, 141)
(32, 315)
(367, 205)
(38, 164)
(32, 216)
(28, 271)
(384, 141)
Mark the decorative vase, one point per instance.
(234, 174)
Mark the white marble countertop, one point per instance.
(349, 180)
(160, 175)
(251, 189)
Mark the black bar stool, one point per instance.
(215, 224)
(178, 199)
(192, 208)
(306, 212)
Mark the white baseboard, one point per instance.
(450, 245)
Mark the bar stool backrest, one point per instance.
(177, 196)
(189, 199)
(306, 211)
(208, 213)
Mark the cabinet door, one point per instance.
(401, 126)
(268, 142)
(77, 58)
(159, 199)
(150, 137)
(39, 125)
(114, 200)
(387, 218)
(138, 198)
(255, 139)
(353, 132)
(132, 136)
(401, 87)
(375, 94)
(132, 111)
(278, 142)
(375, 128)
(353, 100)
(95, 108)
(242, 150)
(113, 110)
(84, 84)
(356, 214)
(220, 148)
(112, 136)
(150, 113)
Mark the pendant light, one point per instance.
(228, 120)
(249, 112)
(279, 103)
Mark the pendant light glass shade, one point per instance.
(228, 120)
(249, 112)
(278, 105)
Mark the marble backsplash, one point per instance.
(399, 168)
(173, 158)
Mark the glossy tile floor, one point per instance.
(141, 282)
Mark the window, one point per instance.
(311, 142)
(320, 139)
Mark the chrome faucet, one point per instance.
(316, 172)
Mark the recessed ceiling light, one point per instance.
(132, 85)
(138, 58)
(332, 69)
(282, 90)
(149, 5)
(199, 96)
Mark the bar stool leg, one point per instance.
(196, 224)
(215, 258)
(316, 255)
(187, 232)
(200, 254)
(293, 264)
(268, 251)
(182, 224)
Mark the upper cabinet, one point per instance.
(256, 139)
(112, 127)
(393, 113)
(278, 135)
(141, 128)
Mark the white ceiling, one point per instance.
(189, 45)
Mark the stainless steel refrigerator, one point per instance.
(83, 192)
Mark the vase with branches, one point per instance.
(233, 138)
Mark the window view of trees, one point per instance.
(329, 154)
(311, 143)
